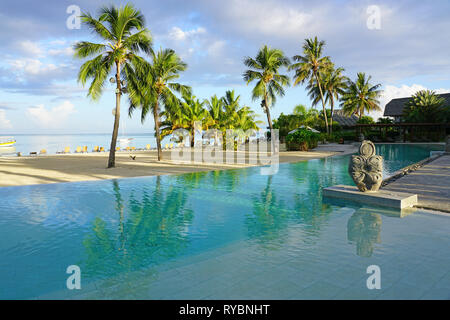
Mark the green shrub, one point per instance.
(303, 140)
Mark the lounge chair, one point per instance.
(102, 149)
(171, 146)
(96, 149)
(117, 148)
(133, 148)
(147, 147)
(85, 149)
(43, 151)
(167, 146)
(78, 150)
(128, 148)
(66, 150)
(33, 153)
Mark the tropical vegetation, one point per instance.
(151, 81)
(151, 87)
(302, 139)
(427, 107)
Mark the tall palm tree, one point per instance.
(361, 96)
(264, 69)
(124, 36)
(334, 84)
(151, 88)
(310, 66)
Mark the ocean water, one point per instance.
(27, 143)
(232, 234)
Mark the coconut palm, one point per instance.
(334, 84)
(361, 96)
(310, 66)
(124, 36)
(151, 88)
(265, 70)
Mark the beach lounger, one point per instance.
(85, 149)
(102, 149)
(43, 151)
(96, 149)
(66, 150)
(147, 147)
(117, 148)
(33, 153)
(171, 146)
(133, 148)
(78, 150)
(167, 146)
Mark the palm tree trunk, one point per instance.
(331, 118)
(269, 119)
(112, 149)
(157, 135)
(323, 103)
(192, 136)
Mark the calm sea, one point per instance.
(27, 143)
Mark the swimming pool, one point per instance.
(231, 234)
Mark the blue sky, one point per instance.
(39, 92)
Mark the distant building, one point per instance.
(344, 120)
(395, 107)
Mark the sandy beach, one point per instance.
(19, 171)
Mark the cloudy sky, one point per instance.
(39, 92)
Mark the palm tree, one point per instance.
(151, 87)
(425, 106)
(361, 96)
(124, 35)
(231, 106)
(264, 69)
(192, 111)
(334, 84)
(310, 66)
(215, 106)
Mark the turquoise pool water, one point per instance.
(231, 234)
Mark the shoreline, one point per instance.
(60, 168)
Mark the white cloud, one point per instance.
(216, 48)
(392, 92)
(4, 123)
(268, 18)
(51, 118)
(31, 66)
(68, 51)
(179, 35)
(30, 48)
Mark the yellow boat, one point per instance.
(7, 142)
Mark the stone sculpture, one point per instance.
(366, 168)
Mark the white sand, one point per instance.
(17, 171)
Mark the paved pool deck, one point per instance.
(431, 183)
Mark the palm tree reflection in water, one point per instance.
(149, 231)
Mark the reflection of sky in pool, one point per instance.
(117, 227)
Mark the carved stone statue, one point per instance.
(366, 168)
